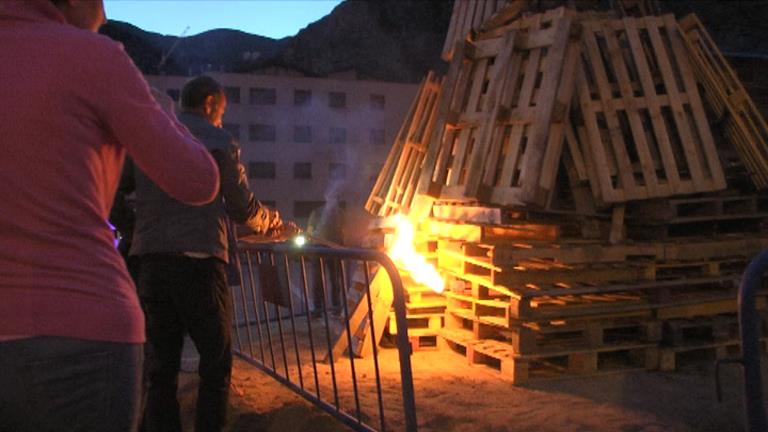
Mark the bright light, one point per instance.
(300, 240)
(405, 257)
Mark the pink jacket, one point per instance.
(71, 105)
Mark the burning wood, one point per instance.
(405, 257)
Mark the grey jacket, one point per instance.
(164, 225)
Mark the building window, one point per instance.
(302, 209)
(263, 96)
(337, 135)
(377, 137)
(261, 170)
(302, 97)
(302, 134)
(173, 93)
(232, 128)
(337, 171)
(261, 132)
(302, 170)
(233, 94)
(377, 101)
(337, 100)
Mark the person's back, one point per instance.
(182, 253)
(165, 225)
(55, 183)
(74, 104)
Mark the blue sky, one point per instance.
(270, 18)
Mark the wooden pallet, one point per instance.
(698, 209)
(502, 113)
(545, 337)
(423, 330)
(424, 321)
(744, 125)
(637, 8)
(542, 272)
(696, 229)
(396, 184)
(488, 233)
(642, 125)
(667, 298)
(523, 368)
(700, 329)
(471, 15)
(671, 358)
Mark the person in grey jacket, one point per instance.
(182, 254)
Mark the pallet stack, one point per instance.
(570, 184)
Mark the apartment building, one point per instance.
(303, 138)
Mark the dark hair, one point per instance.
(195, 91)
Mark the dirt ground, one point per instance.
(453, 396)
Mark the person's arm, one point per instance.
(240, 204)
(160, 146)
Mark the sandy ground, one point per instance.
(454, 396)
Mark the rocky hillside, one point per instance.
(390, 40)
(386, 40)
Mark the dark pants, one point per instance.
(64, 384)
(186, 295)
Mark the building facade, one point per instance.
(304, 138)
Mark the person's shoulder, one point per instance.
(88, 43)
(214, 138)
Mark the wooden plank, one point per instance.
(505, 256)
(710, 155)
(490, 233)
(451, 36)
(560, 121)
(616, 140)
(436, 140)
(693, 160)
(518, 132)
(651, 182)
(653, 104)
(493, 107)
(534, 152)
(603, 164)
(383, 181)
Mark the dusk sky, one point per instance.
(270, 18)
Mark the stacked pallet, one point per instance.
(572, 191)
(534, 298)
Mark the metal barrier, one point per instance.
(283, 325)
(749, 329)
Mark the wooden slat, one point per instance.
(653, 105)
(542, 130)
(744, 124)
(715, 176)
(626, 84)
(638, 134)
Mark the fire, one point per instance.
(405, 257)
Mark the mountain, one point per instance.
(392, 40)
(386, 40)
(221, 49)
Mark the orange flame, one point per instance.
(405, 257)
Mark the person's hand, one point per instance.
(266, 221)
(285, 231)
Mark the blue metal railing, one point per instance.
(750, 332)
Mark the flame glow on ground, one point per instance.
(406, 258)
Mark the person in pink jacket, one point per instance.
(73, 105)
